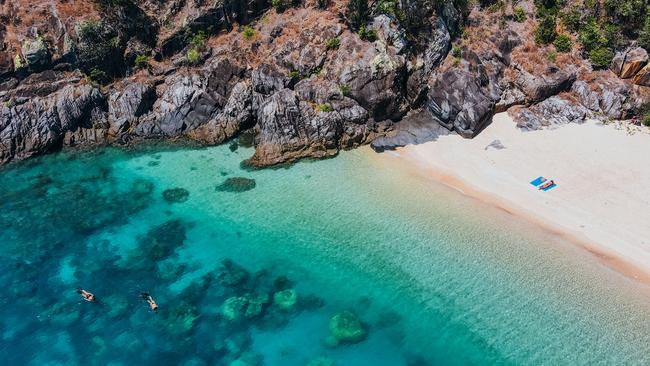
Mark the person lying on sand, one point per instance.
(85, 294)
(150, 301)
(546, 185)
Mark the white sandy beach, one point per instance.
(602, 198)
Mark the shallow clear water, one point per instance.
(434, 277)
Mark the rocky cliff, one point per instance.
(307, 79)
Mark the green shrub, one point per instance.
(324, 108)
(545, 32)
(198, 40)
(571, 19)
(630, 14)
(294, 74)
(612, 35)
(248, 33)
(366, 34)
(98, 76)
(316, 70)
(456, 51)
(646, 120)
(551, 56)
(519, 14)
(193, 55)
(332, 43)
(345, 89)
(562, 43)
(601, 57)
(280, 5)
(99, 48)
(644, 35)
(591, 36)
(495, 6)
(357, 13)
(644, 113)
(141, 62)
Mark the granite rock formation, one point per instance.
(303, 80)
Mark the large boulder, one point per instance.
(626, 64)
(346, 327)
(36, 53)
(643, 76)
(555, 110)
(458, 101)
(415, 128)
(545, 84)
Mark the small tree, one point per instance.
(545, 32)
(519, 14)
(357, 13)
(601, 57)
(141, 62)
(562, 43)
(332, 43)
(248, 33)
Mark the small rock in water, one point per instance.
(345, 327)
(176, 195)
(233, 146)
(236, 184)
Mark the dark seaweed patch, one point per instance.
(236, 184)
(176, 195)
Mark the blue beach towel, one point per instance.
(538, 181)
(549, 187)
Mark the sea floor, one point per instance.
(249, 268)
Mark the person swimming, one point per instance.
(547, 184)
(85, 294)
(150, 301)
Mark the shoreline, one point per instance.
(484, 175)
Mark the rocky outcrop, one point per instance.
(415, 128)
(459, 101)
(548, 83)
(556, 110)
(30, 126)
(300, 81)
(313, 120)
(612, 98)
(127, 104)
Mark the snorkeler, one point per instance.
(85, 294)
(150, 301)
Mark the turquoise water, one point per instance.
(433, 277)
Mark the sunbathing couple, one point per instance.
(546, 184)
(90, 297)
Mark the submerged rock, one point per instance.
(285, 299)
(243, 307)
(345, 327)
(231, 274)
(236, 184)
(176, 195)
(182, 318)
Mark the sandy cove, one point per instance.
(602, 198)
